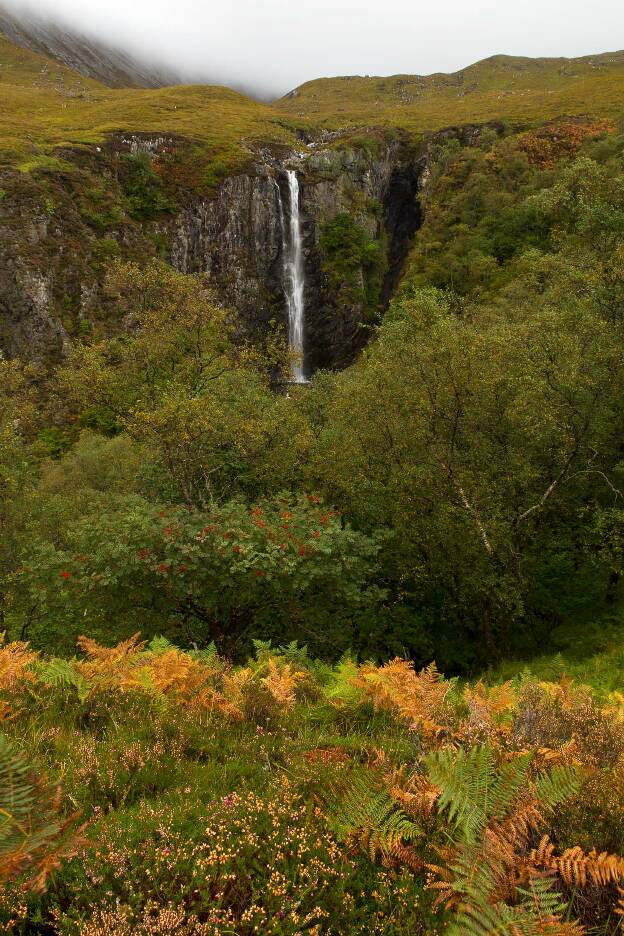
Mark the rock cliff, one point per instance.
(62, 224)
(238, 238)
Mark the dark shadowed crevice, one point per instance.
(403, 218)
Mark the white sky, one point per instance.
(274, 45)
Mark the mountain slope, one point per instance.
(523, 90)
(86, 55)
(44, 105)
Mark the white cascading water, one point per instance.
(294, 274)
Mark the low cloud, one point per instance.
(271, 46)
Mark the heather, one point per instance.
(182, 794)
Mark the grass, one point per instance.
(44, 105)
(588, 649)
(501, 88)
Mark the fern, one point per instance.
(15, 662)
(577, 868)
(368, 814)
(557, 786)
(473, 790)
(62, 674)
(492, 811)
(159, 645)
(33, 838)
(538, 913)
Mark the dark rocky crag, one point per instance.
(237, 237)
(60, 228)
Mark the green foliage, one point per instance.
(354, 264)
(199, 807)
(366, 810)
(280, 567)
(106, 249)
(33, 838)
(179, 385)
(142, 187)
(475, 791)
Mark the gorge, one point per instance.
(270, 239)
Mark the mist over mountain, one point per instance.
(87, 55)
(268, 47)
(111, 56)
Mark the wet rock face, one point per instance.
(238, 238)
(54, 250)
(28, 323)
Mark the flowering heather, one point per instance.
(285, 797)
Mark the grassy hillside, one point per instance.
(503, 87)
(44, 104)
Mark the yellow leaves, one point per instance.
(15, 660)
(235, 684)
(282, 682)
(275, 678)
(417, 795)
(577, 868)
(494, 700)
(417, 697)
(123, 651)
(173, 675)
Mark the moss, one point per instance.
(105, 249)
(43, 162)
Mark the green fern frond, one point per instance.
(470, 786)
(16, 796)
(159, 645)
(62, 674)
(481, 914)
(557, 786)
(368, 812)
(341, 688)
(29, 826)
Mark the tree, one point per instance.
(282, 569)
(465, 431)
(179, 384)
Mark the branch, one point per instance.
(462, 494)
(551, 487)
(602, 474)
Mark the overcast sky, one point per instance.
(274, 45)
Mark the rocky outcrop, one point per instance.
(58, 230)
(238, 238)
(29, 326)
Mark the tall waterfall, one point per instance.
(294, 274)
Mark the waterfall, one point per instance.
(294, 273)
